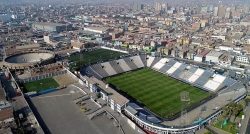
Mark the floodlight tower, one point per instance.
(81, 60)
(185, 99)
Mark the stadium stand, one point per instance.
(108, 68)
(229, 81)
(219, 78)
(150, 60)
(174, 68)
(196, 75)
(164, 68)
(215, 83)
(100, 70)
(160, 64)
(204, 77)
(116, 66)
(123, 65)
(137, 61)
(90, 72)
(156, 59)
(179, 70)
(144, 60)
(130, 63)
(171, 62)
(192, 69)
(212, 85)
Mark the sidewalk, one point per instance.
(244, 122)
(201, 131)
(217, 130)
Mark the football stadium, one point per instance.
(161, 94)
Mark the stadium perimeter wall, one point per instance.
(114, 49)
(44, 76)
(38, 127)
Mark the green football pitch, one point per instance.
(159, 93)
(96, 56)
(40, 85)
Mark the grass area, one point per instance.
(96, 55)
(240, 114)
(40, 85)
(159, 93)
(208, 132)
(229, 127)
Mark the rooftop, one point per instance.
(50, 24)
(121, 100)
(215, 54)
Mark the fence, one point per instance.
(105, 111)
(210, 129)
(47, 91)
(43, 76)
(72, 75)
(113, 49)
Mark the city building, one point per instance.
(221, 11)
(243, 59)
(213, 57)
(158, 6)
(138, 7)
(48, 26)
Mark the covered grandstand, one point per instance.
(224, 87)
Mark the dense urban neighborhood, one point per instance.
(124, 67)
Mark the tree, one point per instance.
(236, 110)
(231, 106)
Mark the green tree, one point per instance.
(231, 106)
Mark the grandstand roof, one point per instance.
(131, 110)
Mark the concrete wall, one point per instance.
(133, 125)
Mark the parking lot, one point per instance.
(58, 114)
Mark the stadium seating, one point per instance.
(116, 66)
(90, 72)
(156, 59)
(185, 75)
(160, 63)
(204, 79)
(150, 60)
(179, 70)
(108, 68)
(124, 65)
(164, 68)
(212, 85)
(130, 63)
(229, 81)
(174, 68)
(144, 60)
(137, 61)
(100, 70)
(196, 75)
